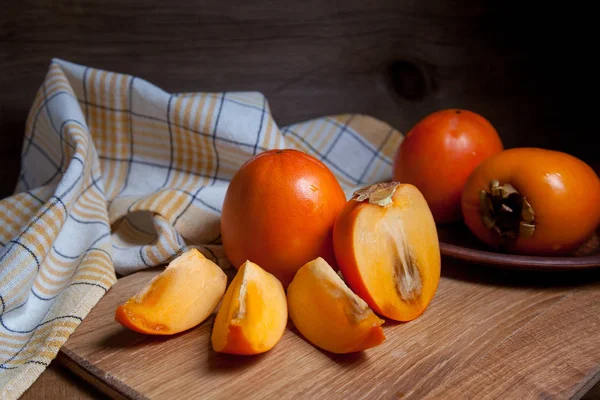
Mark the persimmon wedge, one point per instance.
(179, 298)
(328, 314)
(253, 314)
(386, 244)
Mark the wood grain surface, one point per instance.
(58, 382)
(488, 334)
(396, 60)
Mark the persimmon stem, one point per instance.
(378, 193)
(505, 211)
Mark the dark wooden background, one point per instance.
(526, 68)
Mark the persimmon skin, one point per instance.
(182, 296)
(253, 313)
(365, 252)
(438, 154)
(279, 212)
(563, 191)
(328, 314)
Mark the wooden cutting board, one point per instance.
(489, 333)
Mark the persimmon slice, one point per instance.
(179, 298)
(387, 248)
(253, 314)
(328, 314)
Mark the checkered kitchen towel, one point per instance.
(118, 175)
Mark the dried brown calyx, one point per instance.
(507, 212)
(380, 194)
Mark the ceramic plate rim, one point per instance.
(518, 261)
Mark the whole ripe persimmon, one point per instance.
(532, 201)
(438, 154)
(279, 212)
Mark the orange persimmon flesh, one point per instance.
(179, 298)
(328, 314)
(386, 244)
(253, 314)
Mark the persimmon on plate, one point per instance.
(438, 154)
(530, 208)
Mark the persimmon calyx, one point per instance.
(505, 211)
(379, 193)
(406, 272)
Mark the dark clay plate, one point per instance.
(456, 241)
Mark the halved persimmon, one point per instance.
(179, 298)
(532, 201)
(253, 314)
(387, 248)
(328, 314)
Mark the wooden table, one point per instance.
(57, 382)
(520, 339)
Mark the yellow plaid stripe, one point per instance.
(15, 212)
(166, 245)
(149, 138)
(23, 363)
(91, 206)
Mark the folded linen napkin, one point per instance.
(117, 175)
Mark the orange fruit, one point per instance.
(279, 212)
(387, 248)
(438, 154)
(532, 201)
